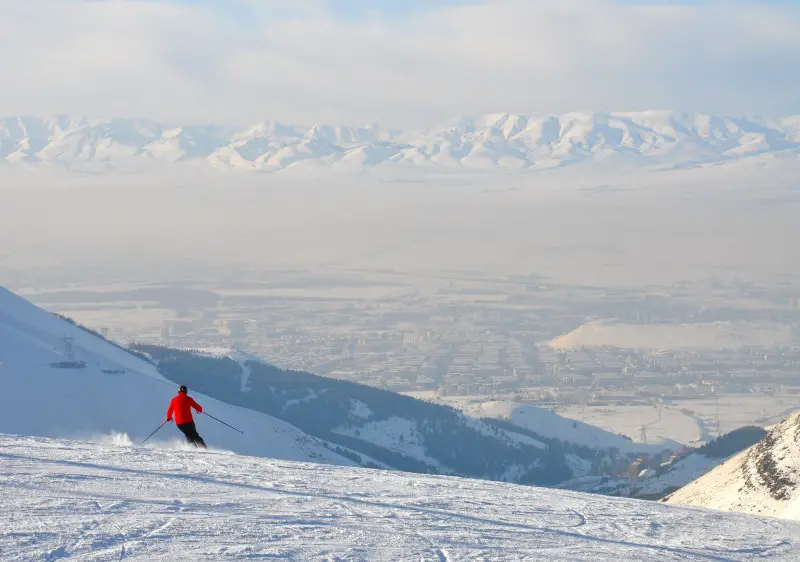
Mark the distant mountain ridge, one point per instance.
(504, 141)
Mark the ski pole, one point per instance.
(154, 432)
(223, 423)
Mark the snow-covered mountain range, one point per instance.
(497, 141)
(73, 500)
(763, 480)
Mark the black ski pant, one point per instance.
(190, 431)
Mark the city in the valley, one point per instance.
(687, 362)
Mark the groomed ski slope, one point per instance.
(91, 501)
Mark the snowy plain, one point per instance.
(102, 501)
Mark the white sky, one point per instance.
(305, 61)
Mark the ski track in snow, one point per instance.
(89, 501)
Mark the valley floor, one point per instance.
(90, 501)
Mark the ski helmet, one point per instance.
(183, 389)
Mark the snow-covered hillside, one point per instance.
(765, 479)
(496, 141)
(687, 466)
(651, 487)
(403, 433)
(110, 390)
(551, 425)
(91, 502)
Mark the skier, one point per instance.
(182, 406)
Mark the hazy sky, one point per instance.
(400, 62)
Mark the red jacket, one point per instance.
(182, 406)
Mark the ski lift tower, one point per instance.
(69, 349)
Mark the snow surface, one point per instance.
(400, 435)
(116, 392)
(91, 502)
(359, 410)
(500, 141)
(686, 470)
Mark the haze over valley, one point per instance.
(680, 283)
